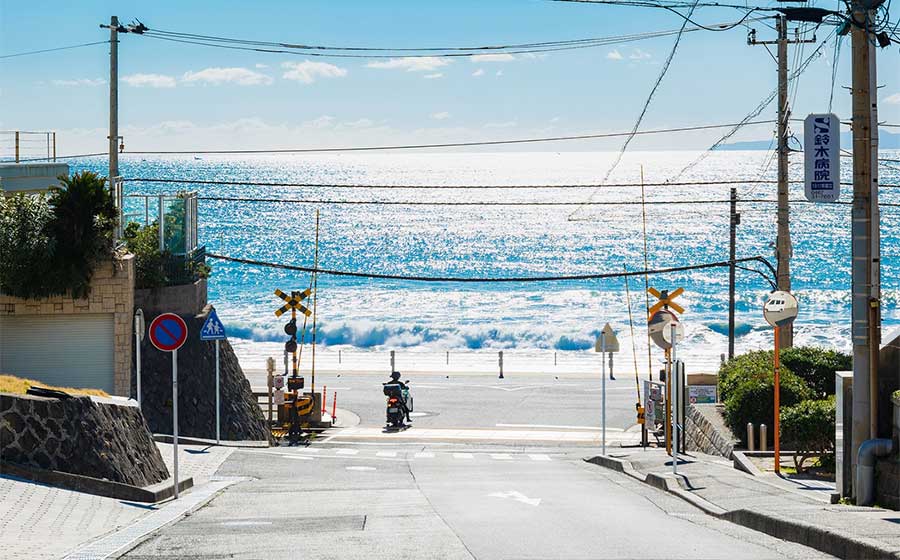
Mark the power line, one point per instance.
(54, 49)
(440, 145)
(448, 187)
(549, 278)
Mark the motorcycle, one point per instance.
(397, 396)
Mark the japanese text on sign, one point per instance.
(822, 147)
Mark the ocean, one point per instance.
(528, 321)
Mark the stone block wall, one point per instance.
(89, 436)
(706, 431)
(112, 291)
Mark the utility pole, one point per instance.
(113, 98)
(735, 220)
(866, 240)
(783, 247)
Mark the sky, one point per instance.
(179, 96)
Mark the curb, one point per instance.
(167, 438)
(776, 526)
(743, 463)
(99, 487)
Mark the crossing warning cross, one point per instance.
(293, 302)
(665, 300)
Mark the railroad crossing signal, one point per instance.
(665, 300)
(293, 302)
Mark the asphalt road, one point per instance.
(484, 401)
(392, 500)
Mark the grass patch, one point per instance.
(19, 385)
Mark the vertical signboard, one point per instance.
(822, 157)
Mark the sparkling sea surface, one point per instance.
(360, 315)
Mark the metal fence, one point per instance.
(19, 145)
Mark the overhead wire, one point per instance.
(15, 55)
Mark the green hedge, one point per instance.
(816, 366)
(753, 399)
(808, 429)
(50, 245)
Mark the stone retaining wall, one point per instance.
(706, 431)
(89, 436)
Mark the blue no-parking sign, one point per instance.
(212, 329)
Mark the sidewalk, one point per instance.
(766, 503)
(40, 521)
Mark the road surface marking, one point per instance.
(424, 455)
(463, 456)
(347, 451)
(360, 468)
(539, 457)
(244, 523)
(297, 457)
(556, 427)
(502, 456)
(386, 454)
(517, 496)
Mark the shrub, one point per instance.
(149, 261)
(81, 229)
(751, 394)
(816, 366)
(24, 245)
(740, 367)
(808, 427)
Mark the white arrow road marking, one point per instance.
(517, 496)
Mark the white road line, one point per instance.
(297, 457)
(556, 427)
(502, 456)
(347, 451)
(539, 457)
(463, 456)
(386, 454)
(360, 468)
(424, 455)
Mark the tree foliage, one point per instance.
(808, 427)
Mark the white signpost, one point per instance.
(606, 342)
(213, 329)
(139, 330)
(822, 157)
(168, 333)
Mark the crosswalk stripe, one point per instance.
(463, 456)
(386, 454)
(347, 451)
(500, 456)
(424, 455)
(539, 457)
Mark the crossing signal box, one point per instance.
(296, 406)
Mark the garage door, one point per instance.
(63, 350)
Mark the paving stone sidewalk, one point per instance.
(40, 521)
(767, 503)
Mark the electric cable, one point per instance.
(53, 49)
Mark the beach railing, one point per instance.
(19, 145)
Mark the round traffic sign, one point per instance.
(168, 332)
(660, 326)
(780, 309)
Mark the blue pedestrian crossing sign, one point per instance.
(213, 329)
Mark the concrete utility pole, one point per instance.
(866, 240)
(113, 98)
(783, 247)
(735, 219)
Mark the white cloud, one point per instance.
(534, 56)
(411, 64)
(892, 99)
(325, 121)
(506, 124)
(80, 82)
(555, 120)
(443, 115)
(614, 55)
(499, 73)
(360, 123)
(433, 76)
(149, 80)
(307, 71)
(638, 54)
(259, 65)
(492, 58)
(217, 76)
(479, 72)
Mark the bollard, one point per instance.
(762, 437)
(554, 358)
(448, 358)
(324, 397)
(501, 364)
(750, 445)
(722, 358)
(393, 369)
(339, 356)
(334, 408)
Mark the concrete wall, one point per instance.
(89, 436)
(112, 291)
(187, 299)
(706, 431)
